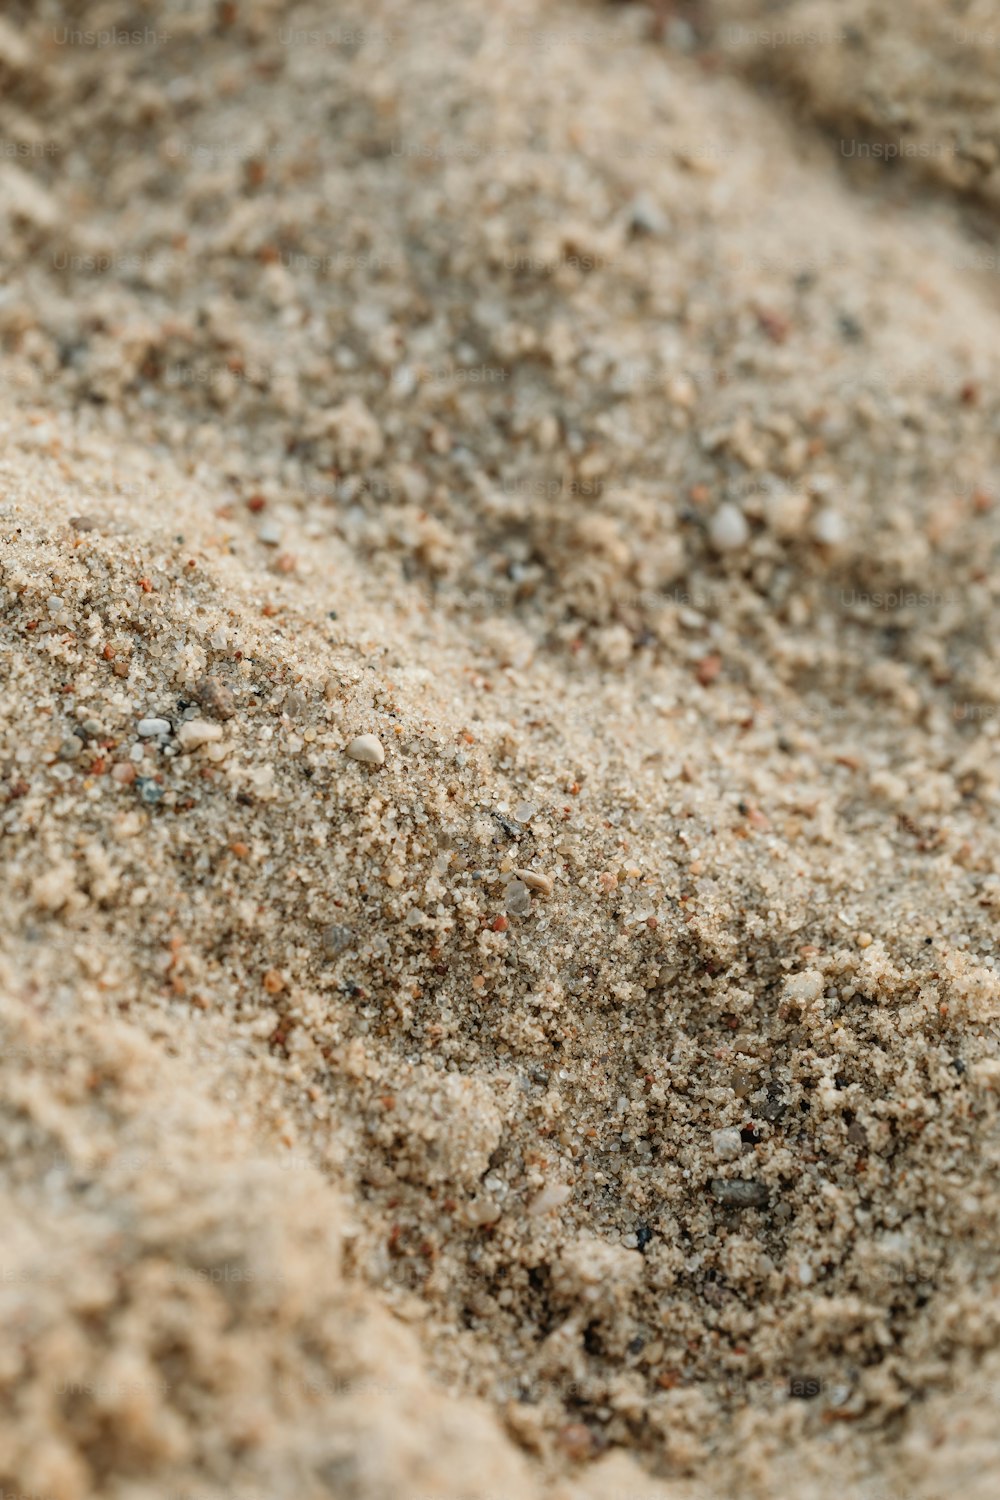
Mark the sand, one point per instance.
(597, 1094)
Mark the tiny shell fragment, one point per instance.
(368, 749)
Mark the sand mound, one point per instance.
(915, 87)
(597, 1093)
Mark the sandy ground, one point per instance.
(588, 1090)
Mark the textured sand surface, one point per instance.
(912, 87)
(597, 1096)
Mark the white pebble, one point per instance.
(198, 732)
(151, 728)
(830, 528)
(368, 749)
(727, 1145)
(553, 1195)
(644, 217)
(482, 1211)
(805, 988)
(728, 529)
(269, 534)
(535, 882)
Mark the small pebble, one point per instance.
(553, 1195)
(645, 218)
(197, 732)
(215, 697)
(738, 1193)
(367, 749)
(535, 882)
(517, 898)
(269, 534)
(683, 393)
(149, 791)
(742, 1083)
(728, 529)
(829, 528)
(153, 728)
(805, 988)
(336, 938)
(70, 748)
(727, 1145)
(576, 1441)
(708, 669)
(482, 1211)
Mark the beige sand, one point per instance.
(598, 1097)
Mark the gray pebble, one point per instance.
(336, 938)
(738, 1193)
(70, 748)
(153, 728)
(149, 790)
(517, 898)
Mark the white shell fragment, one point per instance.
(197, 732)
(535, 882)
(368, 749)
